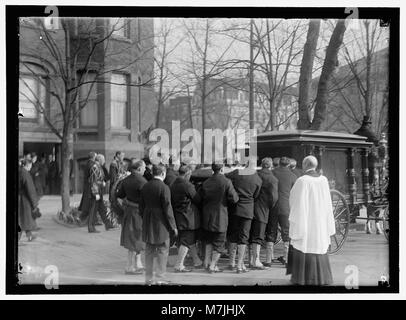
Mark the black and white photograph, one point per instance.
(197, 149)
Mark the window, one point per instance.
(119, 100)
(32, 95)
(88, 115)
(120, 27)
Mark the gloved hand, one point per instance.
(97, 197)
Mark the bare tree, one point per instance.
(279, 47)
(360, 87)
(330, 63)
(306, 72)
(207, 62)
(167, 83)
(75, 57)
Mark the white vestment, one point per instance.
(311, 215)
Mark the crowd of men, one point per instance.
(233, 210)
(45, 173)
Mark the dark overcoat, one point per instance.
(27, 201)
(185, 202)
(171, 176)
(131, 225)
(36, 174)
(268, 196)
(247, 183)
(216, 193)
(85, 202)
(286, 180)
(156, 211)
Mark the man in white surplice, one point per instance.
(311, 225)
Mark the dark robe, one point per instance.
(27, 201)
(157, 213)
(131, 225)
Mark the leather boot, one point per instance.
(213, 265)
(284, 259)
(197, 263)
(138, 262)
(368, 227)
(179, 266)
(269, 254)
(232, 248)
(241, 253)
(378, 228)
(256, 249)
(207, 255)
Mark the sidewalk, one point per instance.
(83, 258)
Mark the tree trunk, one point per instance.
(329, 65)
(189, 103)
(306, 70)
(65, 183)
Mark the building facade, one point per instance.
(115, 101)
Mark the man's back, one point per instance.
(131, 187)
(156, 210)
(286, 180)
(216, 192)
(268, 195)
(247, 183)
(312, 219)
(171, 176)
(183, 196)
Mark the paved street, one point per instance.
(83, 258)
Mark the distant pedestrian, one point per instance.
(117, 168)
(27, 200)
(185, 202)
(217, 192)
(311, 226)
(36, 174)
(84, 205)
(131, 226)
(53, 173)
(43, 174)
(96, 184)
(158, 224)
